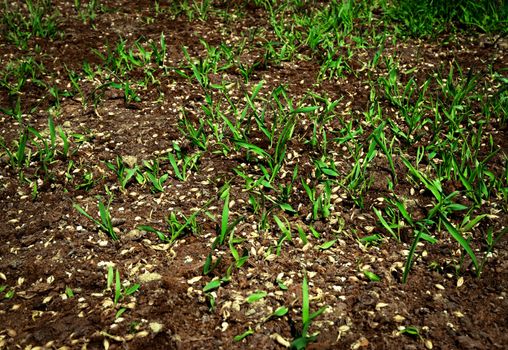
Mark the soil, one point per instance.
(50, 249)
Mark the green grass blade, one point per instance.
(409, 260)
(85, 214)
(305, 302)
(461, 240)
(224, 220)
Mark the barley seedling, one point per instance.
(152, 174)
(176, 227)
(124, 175)
(104, 224)
(302, 338)
(226, 227)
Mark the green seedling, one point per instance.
(225, 227)
(371, 276)
(69, 292)
(491, 240)
(302, 234)
(87, 181)
(256, 296)
(37, 22)
(240, 260)
(244, 335)
(182, 164)
(124, 174)
(327, 245)
(286, 232)
(177, 227)
(380, 139)
(411, 331)
(10, 294)
(152, 174)
(321, 203)
(440, 211)
(17, 156)
(280, 312)
(389, 227)
(119, 292)
(196, 135)
(104, 224)
(303, 338)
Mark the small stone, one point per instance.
(360, 343)
(131, 161)
(149, 277)
(133, 235)
(117, 221)
(379, 306)
(142, 334)
(398, 318)
(344, 328)
(156, 327)
(281, 340)
(460, 282)
(194, 279)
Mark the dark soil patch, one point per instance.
(54, 262)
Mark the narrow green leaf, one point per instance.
(330, 172)
(327, 245)
(409, 260)
(371, 276)
(384, 223)
(307, 109)
(120, 312)
(253, 148)
(281, 285)
(132, 289)
(212, 285)
(244, 335)
(69, 292)
(10, 294)
(256, 296)
(85, 214)
(305, 301)
(461, 240)
(287, 208)
(470, 224)
(410, 331)
(318, 312)
(224, 219)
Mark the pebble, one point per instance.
(149, 277)
(156, 327)
(281, 340)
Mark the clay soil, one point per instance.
(54, 261)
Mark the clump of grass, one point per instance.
(431, 17)
(105, 224)
(37, 20)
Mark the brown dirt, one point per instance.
(48, 246)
